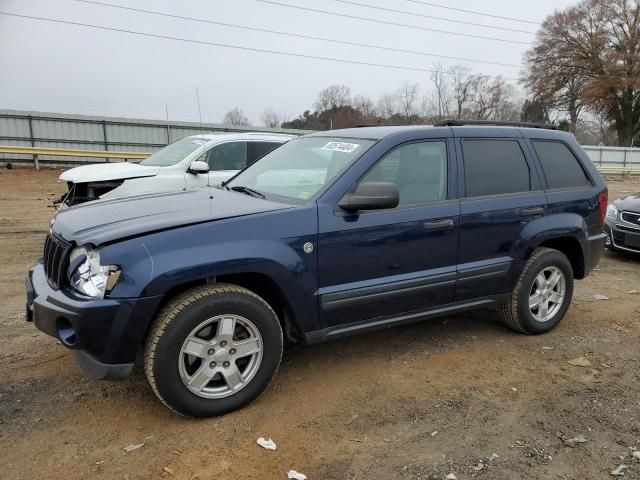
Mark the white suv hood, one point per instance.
(107, 171)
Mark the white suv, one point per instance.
(194, 161)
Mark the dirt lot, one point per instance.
(460, 395)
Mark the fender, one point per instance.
(152, 265)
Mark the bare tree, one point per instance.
(365, 106)
(407, 96)
(235, 117)
(334, 96)
(441, 99)
(462, 88)
(388, 105)
(490, 98)
(270, 118)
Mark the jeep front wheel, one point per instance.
(213, 349)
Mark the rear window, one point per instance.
(494, 167)
(560, 166)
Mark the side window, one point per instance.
(560, 166)
(228, 156)
(493, 167)
(260, 149)
(419, 170)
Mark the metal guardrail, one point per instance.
(66, 152)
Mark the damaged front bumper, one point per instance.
(104, 334)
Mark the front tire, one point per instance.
(212, 349)
(542, 294)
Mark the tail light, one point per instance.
(603, 200)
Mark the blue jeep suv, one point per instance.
(331, 234)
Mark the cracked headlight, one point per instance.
(87, 276)
(612, 212)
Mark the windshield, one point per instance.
(300, 168)
(174, 153)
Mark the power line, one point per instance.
(473, 12)
(297, 35)
(250, 49)
(444, 19)
(385, 22)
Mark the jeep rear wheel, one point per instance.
(542, 294)
(213, 349)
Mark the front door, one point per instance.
(384, 263)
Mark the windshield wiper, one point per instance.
(247, 190)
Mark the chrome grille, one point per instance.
(631, 217)
(56, 258)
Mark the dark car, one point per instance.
(623, 225)
(331, 234)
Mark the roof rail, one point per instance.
(498, 123)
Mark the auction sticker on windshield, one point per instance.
(340, 147)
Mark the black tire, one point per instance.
(516, 313)
(175, 323)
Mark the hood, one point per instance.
(630, 203)
(107, 171)
(104, 221)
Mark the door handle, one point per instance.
(531, 211)
(444, 224)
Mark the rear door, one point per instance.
(501, 195)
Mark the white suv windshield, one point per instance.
(174, 153)
(300, 168)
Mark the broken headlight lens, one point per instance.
(612, 212)
(87, 276)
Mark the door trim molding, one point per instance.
(390, 290)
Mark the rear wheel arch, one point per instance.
(571, 247)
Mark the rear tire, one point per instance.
(542, 294)
(212, 349)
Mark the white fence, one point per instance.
(614, 158)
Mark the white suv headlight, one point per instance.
(87, 276)
(612, 212)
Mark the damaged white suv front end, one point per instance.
(170, 169)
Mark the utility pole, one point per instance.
(199, 111)
(166, 114)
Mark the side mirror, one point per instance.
(371, 196)
(198, 167)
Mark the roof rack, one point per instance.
(498, 123)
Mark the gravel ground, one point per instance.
(461, 395)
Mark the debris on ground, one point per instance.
(434, 433)
(268, 444)
(292, 474)
(579, 362)
(619, 472)
(575, 441)
(168, 470)
(478, 467)
(633, 292)
(598, 296)
(133, 446)
(636, 455)
(352, 419)
(547, 348)
(451, 476)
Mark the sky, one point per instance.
(62, 68)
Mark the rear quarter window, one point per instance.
(560, 166)
(494, 167)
